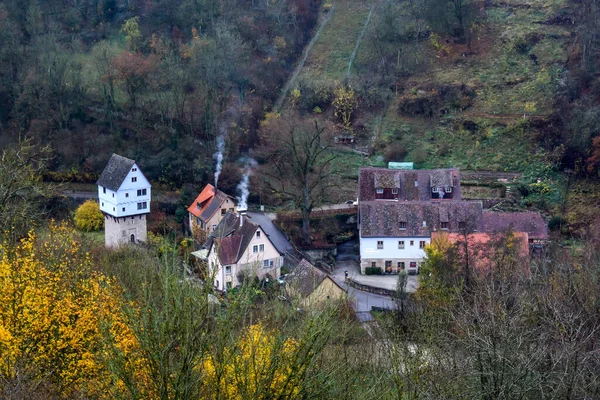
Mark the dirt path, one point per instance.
(359, 40)
(290, 82)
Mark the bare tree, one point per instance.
(299, 164)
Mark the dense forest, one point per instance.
(302, 93)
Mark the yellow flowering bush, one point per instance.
(53, 309)
(88, 217)
(257, 367)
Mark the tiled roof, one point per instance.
(209, 202)
(413, 185)
(115, 172)
(382, 219)
(305, 278)
(231, 238)
(480, 251)
(530, 222)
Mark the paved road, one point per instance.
(278, 239)
(362, 301)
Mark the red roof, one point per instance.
(207, 202)
(482, 247)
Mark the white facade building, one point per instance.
(124, 195)
(239, 246)
(393, 254)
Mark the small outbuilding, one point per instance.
(312, 286)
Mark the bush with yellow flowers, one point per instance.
(88, 217)
(55, 316)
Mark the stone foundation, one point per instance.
(119, 231)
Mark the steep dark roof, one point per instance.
(382, 219)
(232, 238)
(115, 172)
(413, 185)
(530, 222)
(305, 278)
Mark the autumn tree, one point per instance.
(133, 69)
(88, 217)
(299, 163)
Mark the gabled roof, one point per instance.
(210, 200)
(530, 222)
(115, 172)
(232, 239)
(305, 278)
(413, 185)
(382, 219)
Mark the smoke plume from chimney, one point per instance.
(219, 157)
(243, 188)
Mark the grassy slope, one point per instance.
(504, 79)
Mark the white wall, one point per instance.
(126, 196)
(249, 261)
(368, 248)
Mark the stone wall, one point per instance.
(119, 231)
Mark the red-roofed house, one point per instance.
(482, 247)
(209, 208)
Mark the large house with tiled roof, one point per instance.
(236, 247)
(399, 210)
(124, 197)
(209, 208)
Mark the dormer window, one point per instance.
(448, 189)
(402, 225)
(133, 179)
(462, 225)
(198, 205)
(416, 183)
(444, 225)
(435, 189)
(394, 191)
(379, 190)
(424, 224)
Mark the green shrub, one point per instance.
(556, 222)
(373, 271)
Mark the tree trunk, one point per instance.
(306, 209)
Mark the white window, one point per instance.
(401, 244)
(142, 206)
(133, 169)
(102, 204)
(402, 225)
(142, 192)
(448, 189)
(133, 179)
(262, 248)
(266, 264)
(113, 195)
(113, 209)
(412, 242)
(255, 249)
(214, 227)
(435, 189)
(228, 269)
(394, 191)
(380, 244)
(379, 191)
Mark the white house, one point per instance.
(124, 195)
(239, 246)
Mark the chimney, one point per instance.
(242, 212)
